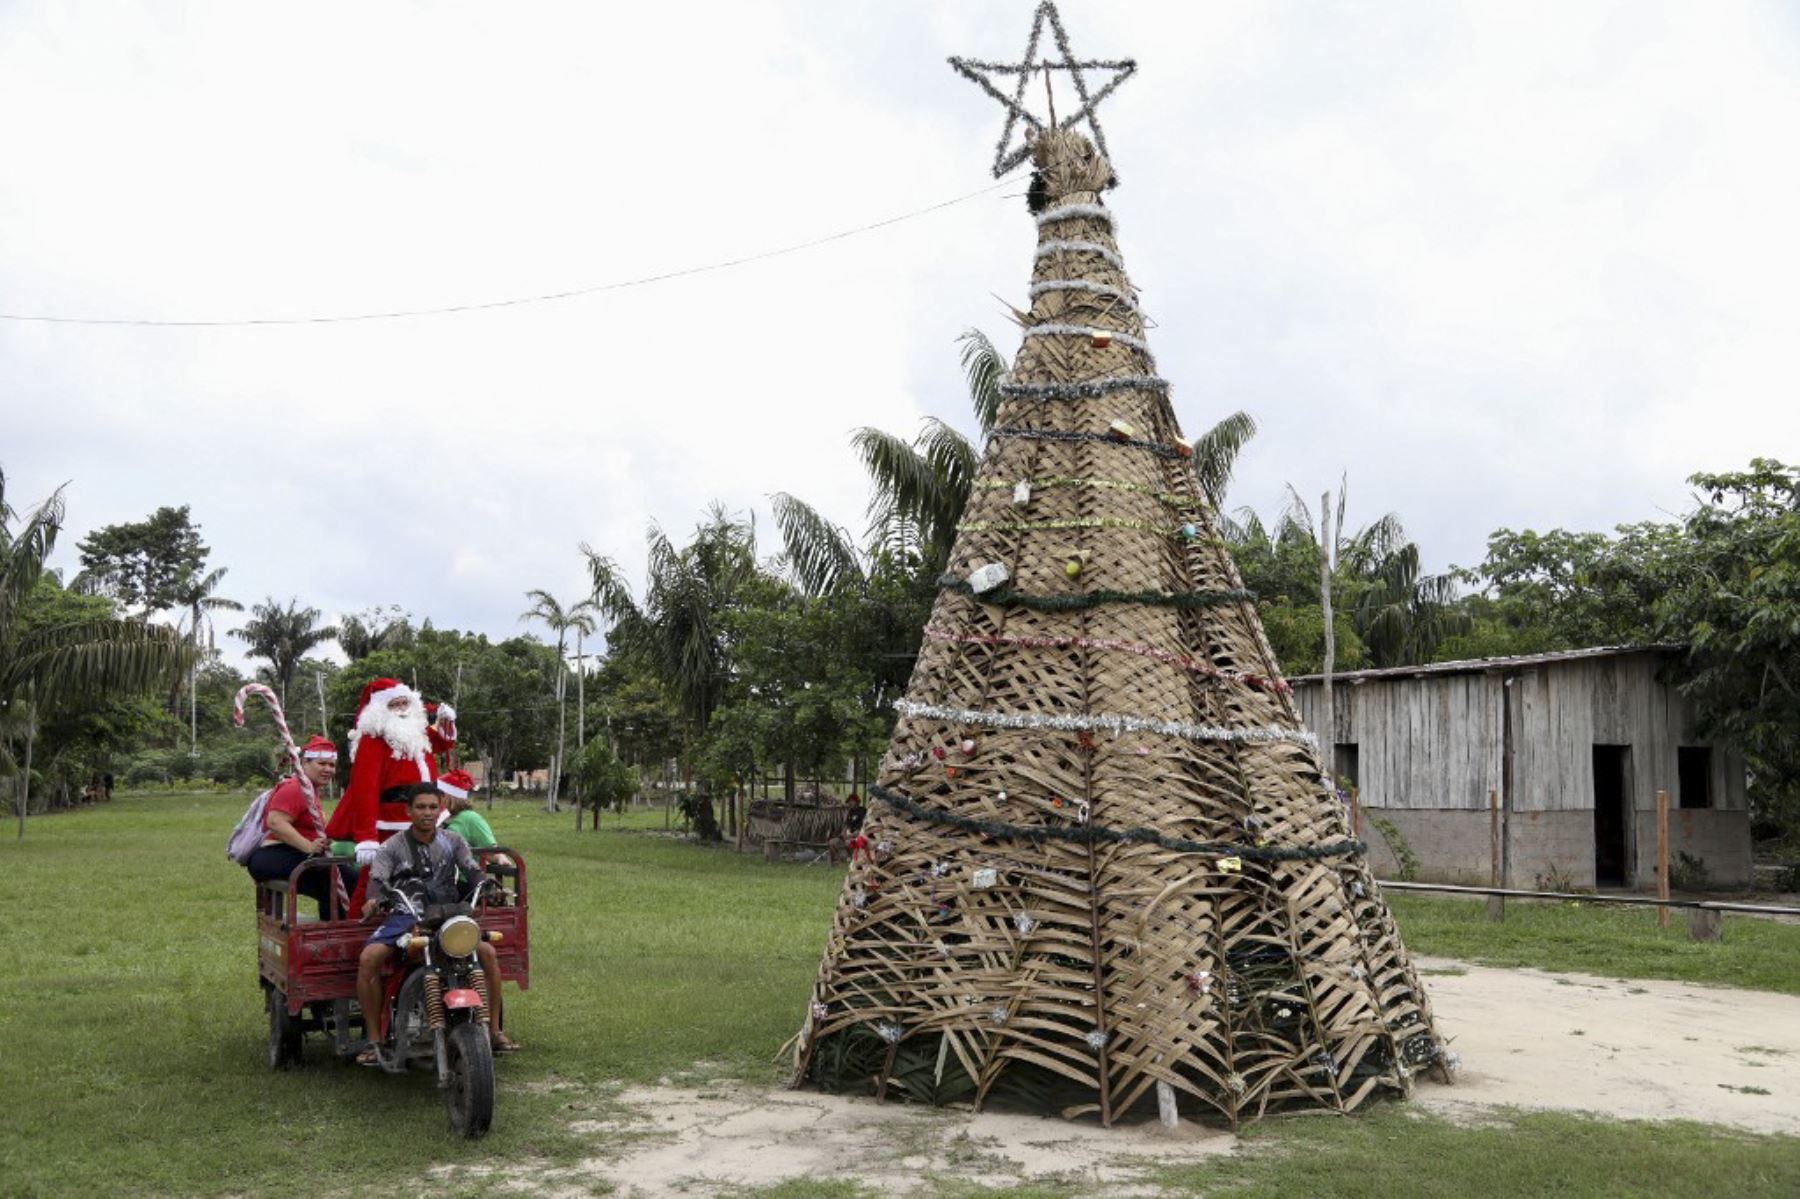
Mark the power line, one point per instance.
(515, 302)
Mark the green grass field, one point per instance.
(132, 1035)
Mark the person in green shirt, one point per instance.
(464, 820)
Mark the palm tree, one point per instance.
(579, 619)
(1400, 613)
(282, 636)
(362, 633)
(922, 486)
(678, 630)
(46, 669)
(197, 599)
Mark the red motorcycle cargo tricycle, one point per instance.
(435, 997)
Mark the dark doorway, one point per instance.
(1693, 774)
(1612, 815)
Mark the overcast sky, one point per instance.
(1506, 263)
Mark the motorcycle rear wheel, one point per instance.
(469, 1095)
(285, 1034)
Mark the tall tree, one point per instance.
(577, 618)
(146, 564)
(363, 633)
(197, 599)
(282, 636)
(678, 631)
(48, 667)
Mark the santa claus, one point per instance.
(392, 746)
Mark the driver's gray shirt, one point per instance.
(447, 853)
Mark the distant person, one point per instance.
(851, 829)
(457, 786)
(289, 834)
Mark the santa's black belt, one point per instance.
(397, 794)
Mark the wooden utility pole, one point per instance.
(1496, 903)
(1662, 857)
(1327, 716)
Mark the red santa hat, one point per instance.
(319, 749)
(456, 783)
(380, 691)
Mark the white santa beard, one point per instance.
(404, 732)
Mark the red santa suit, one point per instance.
(389, 751)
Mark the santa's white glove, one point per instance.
(446, 713)
(365, 852)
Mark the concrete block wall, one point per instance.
(1720, 839)
(1452, 845)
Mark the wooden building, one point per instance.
(1576, 746)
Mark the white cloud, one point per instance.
(1504, 264)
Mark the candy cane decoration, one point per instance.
(306, 784)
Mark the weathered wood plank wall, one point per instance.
(1435, 741)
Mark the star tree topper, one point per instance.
(978, 71)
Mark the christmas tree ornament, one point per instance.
(967, 746)
(1189, 726)
(984, 579)
(819, 1012)
(937, 751)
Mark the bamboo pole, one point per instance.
(1496, 905)
(1662, 856)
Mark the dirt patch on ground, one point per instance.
(1634, 1050)
(1625, 1050)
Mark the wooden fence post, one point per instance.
(1356, 812)
(1662, 857)
(1496, 903)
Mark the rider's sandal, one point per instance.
(368, 1057)
(504, 1043)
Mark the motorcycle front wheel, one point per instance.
(469, 1094)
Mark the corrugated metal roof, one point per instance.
(1485, 665)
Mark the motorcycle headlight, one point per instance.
(459, 936)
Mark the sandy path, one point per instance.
(1642, 1050)
(1637, 1050)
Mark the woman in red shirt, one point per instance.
(289, 834)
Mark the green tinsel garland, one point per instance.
(1093, 599)
(1085, 834)
(1170, 498)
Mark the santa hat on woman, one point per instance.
(319, 748)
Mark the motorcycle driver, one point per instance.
(422, 863)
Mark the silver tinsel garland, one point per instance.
(1047, 248)
(1099, 289)
(1058, 329)
(1093, 389)
(1110, 722)
(1075, 212)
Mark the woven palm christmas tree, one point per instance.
(1101, 860)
